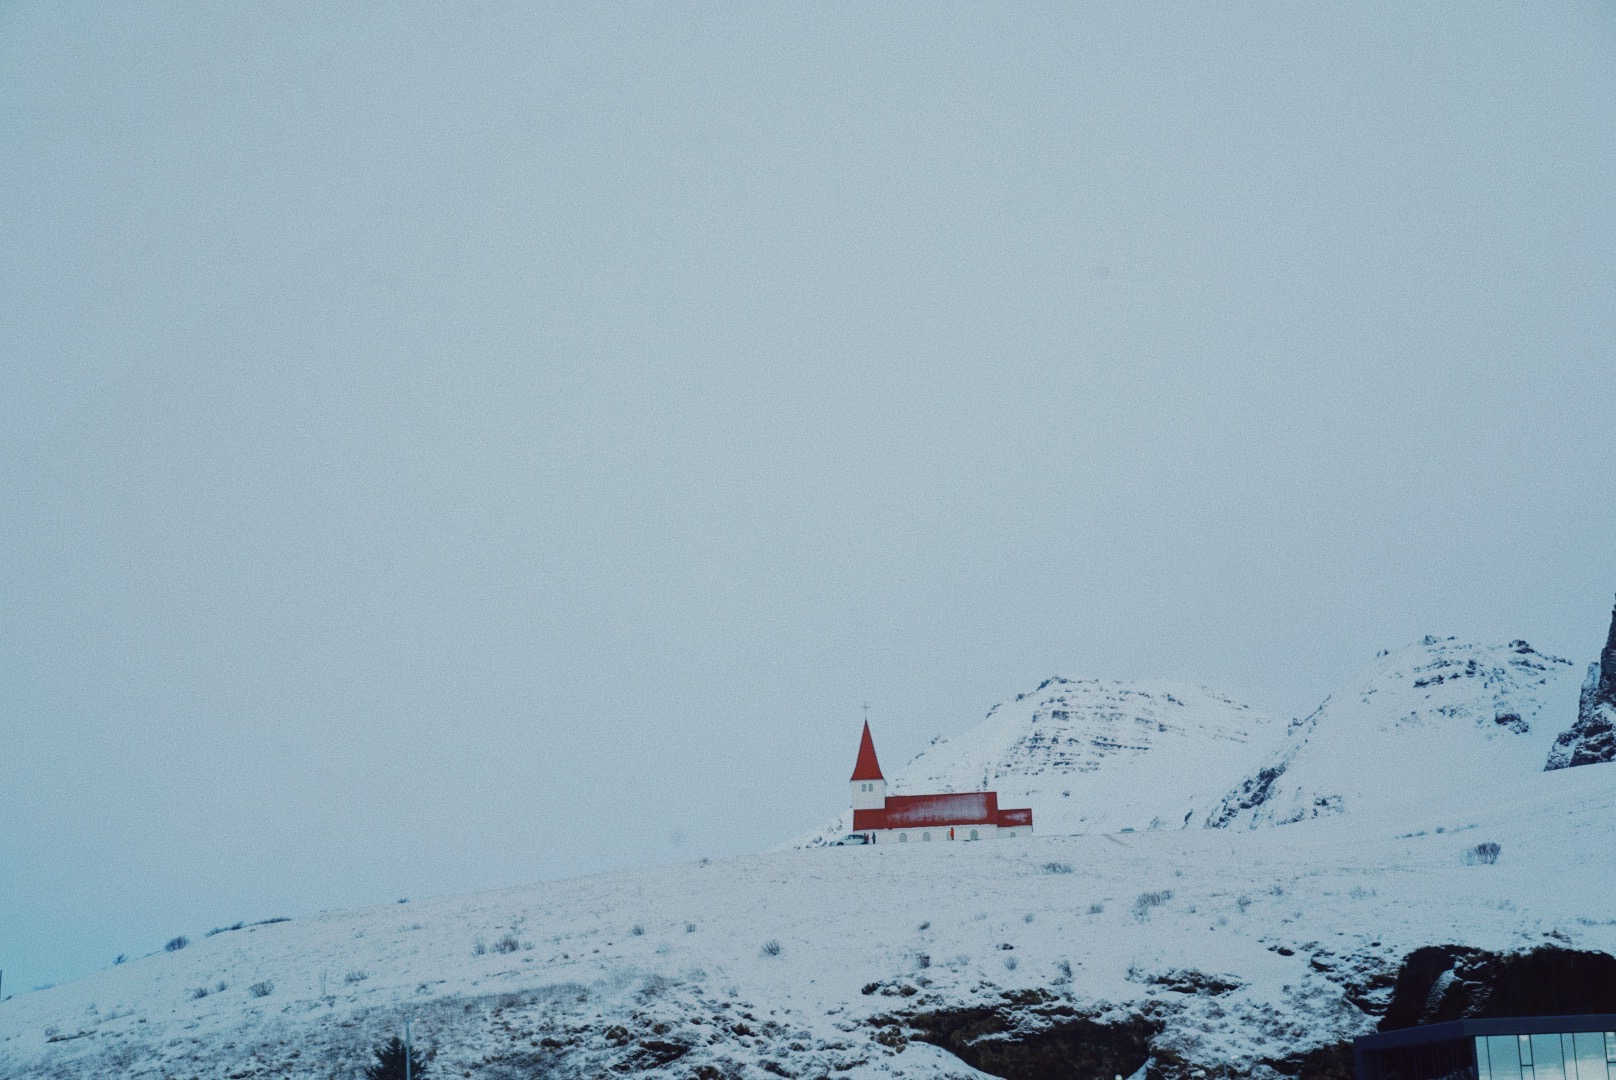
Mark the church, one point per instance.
(900, 819)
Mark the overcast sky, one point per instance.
(451, 447)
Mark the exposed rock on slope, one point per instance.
(1451, 982)
(1441, 720)
(1593, 738)
(1037, 1037)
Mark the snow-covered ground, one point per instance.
(1243, 944)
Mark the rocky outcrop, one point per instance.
(1453, 982)
(1252, 793)
(1332, 1062)
(1037, 1040)
(1592, 739)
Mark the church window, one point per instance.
(974, 836)
(903, 838)
(925, 836)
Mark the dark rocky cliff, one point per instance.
(1592, 739)
(1453, 982)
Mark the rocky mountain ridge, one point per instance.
(1592, 739)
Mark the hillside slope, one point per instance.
(1416, 811)
(1441, 722)
(1192, 947)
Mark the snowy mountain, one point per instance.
(1096, 755)
(1441, 723)
(1416, 812)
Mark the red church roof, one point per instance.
(867, 768)
(922, 811)
(940, 811)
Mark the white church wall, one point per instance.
(937, 834)
(869, 794)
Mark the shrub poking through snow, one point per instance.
(507, 944)
(638, 930)
(355, 977)
(261, 989)
(1011, 963)
(199, 992)
(771, 948)
(1145, 901)
(176, 944)
(1482, 854)
(1057, 868)
(1096, 909)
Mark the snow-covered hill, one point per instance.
(1415, 810)
(1440, 722)
(1206, 946)
(1097, 755)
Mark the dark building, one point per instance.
(1523, 1048)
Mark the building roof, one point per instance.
(963, 808)
(1465, 1029)
(940, 811)
(867, 768)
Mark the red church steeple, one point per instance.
(867, 768)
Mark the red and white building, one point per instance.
(903, 819)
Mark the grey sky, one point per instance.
(449, 447)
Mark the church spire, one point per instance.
(867, 767)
